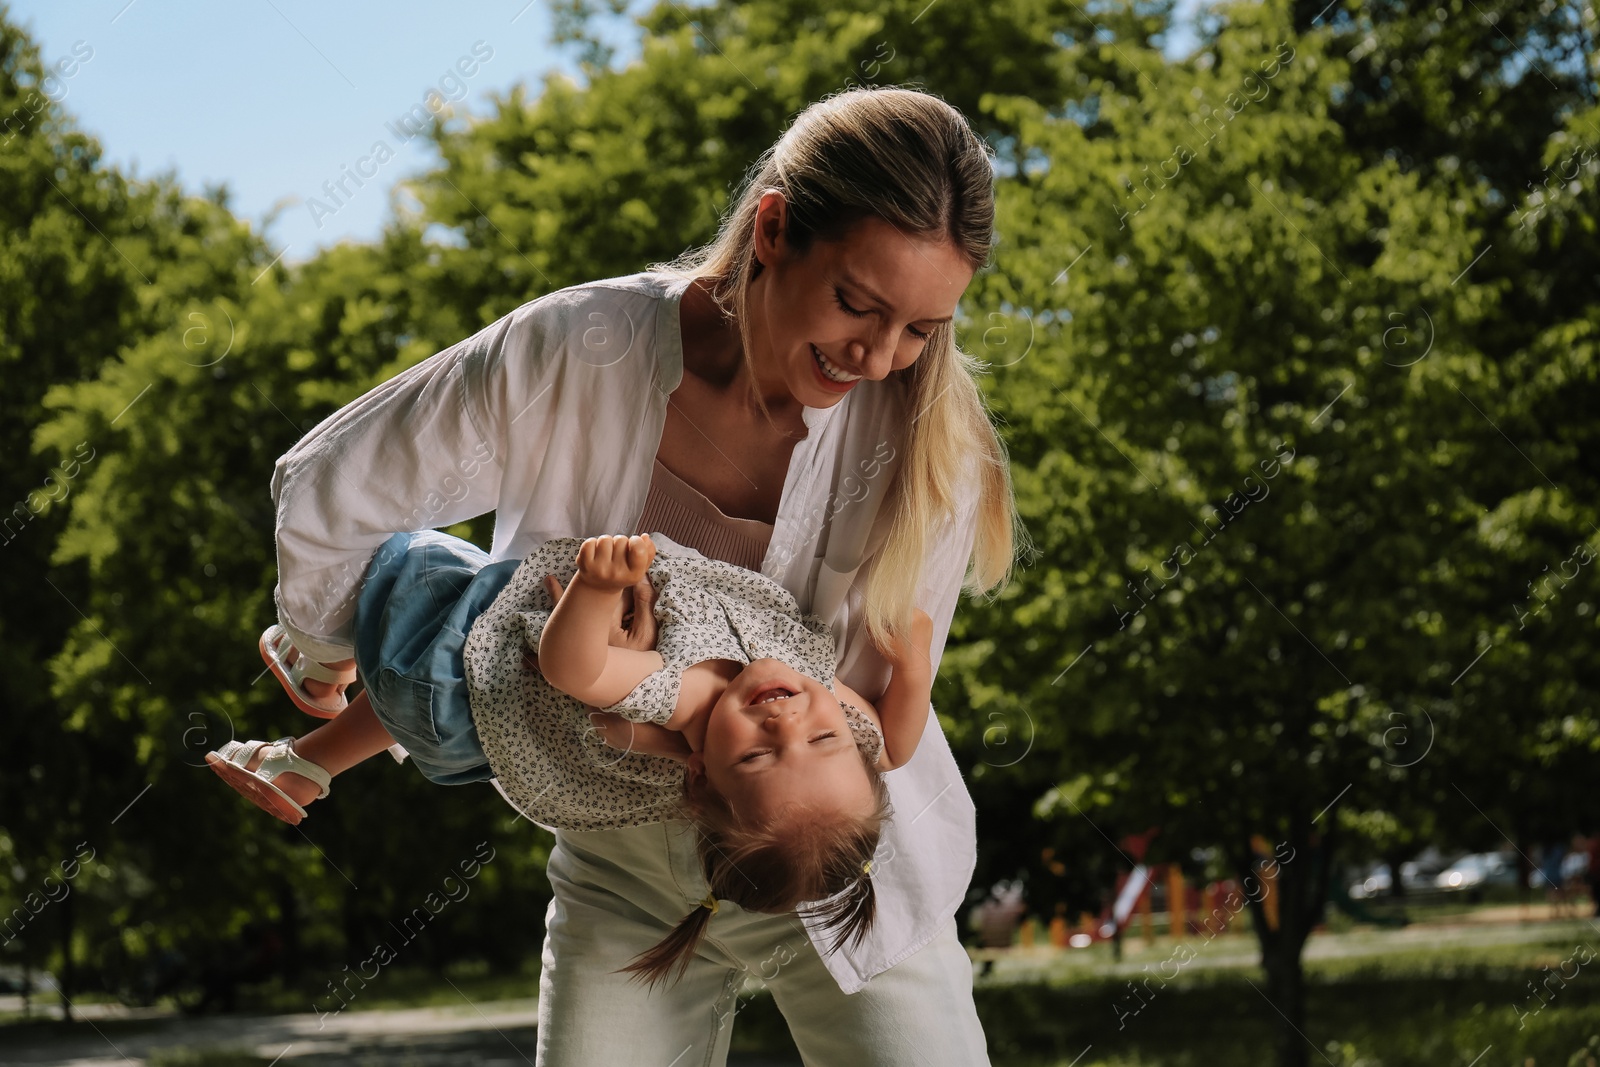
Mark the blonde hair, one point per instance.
(910, 159)
(802, 856)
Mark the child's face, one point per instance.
(796, 749)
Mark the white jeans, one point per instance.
(618, 892)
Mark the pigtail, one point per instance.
(847, 917)
(673, 952)
(777, 867)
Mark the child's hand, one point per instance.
(633, 623)
(614, 562)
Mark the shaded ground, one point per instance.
(499, 1034)
(1436, 993)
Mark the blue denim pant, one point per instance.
(422, 593)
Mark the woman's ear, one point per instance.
(772, 227)
(694, 770)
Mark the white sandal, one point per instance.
(230, 760)
(274, 645)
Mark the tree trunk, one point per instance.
(1280, 957)
(289, 922)
(64, 981)
(353, 926)
(1302, 889)
(1397, 886)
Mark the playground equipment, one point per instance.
(1213, 907)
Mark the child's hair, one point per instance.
(802, 855)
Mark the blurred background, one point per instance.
(1285, 745)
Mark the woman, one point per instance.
(788, 397)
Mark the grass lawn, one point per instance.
(1440, 997)
(1436, 994)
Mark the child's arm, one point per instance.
(644, 738)
(700, 687)
(903, 708)
(574, 655)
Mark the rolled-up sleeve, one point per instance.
(423, 450)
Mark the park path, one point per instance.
(501, 1033)
(1503, 926)
(491, 1034)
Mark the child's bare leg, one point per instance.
(356, 734)
(319, 689)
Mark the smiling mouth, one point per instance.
(835, 374)
(769, 693)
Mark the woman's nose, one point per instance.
(874, 355)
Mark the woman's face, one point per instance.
(763, 754)
(864, 303)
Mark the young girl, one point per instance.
(782, 775)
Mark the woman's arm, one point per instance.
(903, 709)
(574, 653)
(420, 451)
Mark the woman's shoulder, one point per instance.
(626, 291)
(590, 327)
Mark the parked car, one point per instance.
(1416, 876)
(1375, 883)
(1478, 870)
(11, 981)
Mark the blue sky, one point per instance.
(278, 97)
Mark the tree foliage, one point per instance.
(1292, 341)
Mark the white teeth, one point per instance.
(829, 371)
(777, 694)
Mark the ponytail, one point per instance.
(673, 952)
(805, 855)
(848, 916)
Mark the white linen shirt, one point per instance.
(551, 417)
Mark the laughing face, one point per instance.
(777, 737)
(843, 310)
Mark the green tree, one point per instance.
(160, 368)
(1255, 436)
(88, 262)
(1292, 343)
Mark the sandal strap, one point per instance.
(280, 758)
(239, 753)
(304, 666)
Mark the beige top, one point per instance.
(679, 510)
(686, 515)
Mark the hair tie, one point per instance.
(866, 868)
(709, 902)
